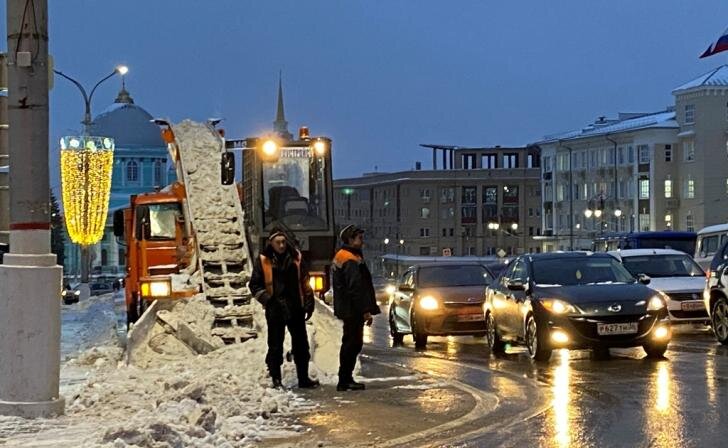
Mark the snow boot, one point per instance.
(275, 376)
(349, 385)
(304, 382)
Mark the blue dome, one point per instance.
(129, 125)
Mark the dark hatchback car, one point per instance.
(573, 300)
(439, 299)
(715, 294)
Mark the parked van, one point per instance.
(710, 239)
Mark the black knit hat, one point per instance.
(349, 232)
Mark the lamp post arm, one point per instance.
(83, 92)
(98, 84)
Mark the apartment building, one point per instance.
(482, 201)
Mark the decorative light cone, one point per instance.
(86, 164)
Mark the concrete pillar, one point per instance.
(30, 326)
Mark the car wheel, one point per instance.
(397, 337)
(418, 335)
(537, 349)
(719, 320)
(495, 343)
(601, 353)
(654, 350)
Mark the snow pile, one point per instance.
(219, 399)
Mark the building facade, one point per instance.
(485, 201)
(605, 178)
(140, 165)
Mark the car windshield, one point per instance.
(579, 271)
(453, 275)
(670, 265)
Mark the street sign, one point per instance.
(501, 253)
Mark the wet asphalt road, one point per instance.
(577, 401)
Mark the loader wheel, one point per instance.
(132, 315)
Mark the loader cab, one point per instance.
(289, 184)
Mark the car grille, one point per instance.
(679, 314)
(451, 324)
(680, 296)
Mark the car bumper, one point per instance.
(582, 331)
(454, 320)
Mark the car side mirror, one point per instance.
(644, 279)
(227, 168)
(516, 285)
(119, 223)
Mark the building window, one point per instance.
(424, 212)
(468, 161)
(726, 186)
(132, 171)
(547, 164)
(489, 161)
(644, 188)
(425, 232)
(468, 214)
(644, 222)
(531, 161)
(157, 173)
(689, 224)
(447, 195)
(510, 160)
(644, 153)
(104, 257)
(668, 153)
(425, 194)
(424, 250)
(690, 189)
(444, 231)
(447, 212)
(668, 188)
(689, 150)
(470, 195)
(452, 231)
(621, 157)
(689, 113)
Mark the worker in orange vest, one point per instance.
(280, 283)
(354, 302)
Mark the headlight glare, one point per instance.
(429, 303)
(558, 306)
(656, 303)
(390, 289)
(156, 289)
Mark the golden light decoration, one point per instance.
(86, 164)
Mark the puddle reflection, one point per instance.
(664, 422)
(561, 401)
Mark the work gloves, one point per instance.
(308, 306)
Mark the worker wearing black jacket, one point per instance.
(354, 302)
(280, 283)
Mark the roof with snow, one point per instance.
(717, 77)
(659, 120)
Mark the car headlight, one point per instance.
(78, 293)
(656, 303)
(429, 303)
(558, 306)
(159, 288)
(390, 289)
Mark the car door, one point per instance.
(516, 298)
(499, 298)
(403, 300)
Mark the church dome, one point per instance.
(128, 124)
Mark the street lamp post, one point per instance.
(87, 122)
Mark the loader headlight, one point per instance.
(156, 288)
(316, 282)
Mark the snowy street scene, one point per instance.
(363, 224)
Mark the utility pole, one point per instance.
(30, 327)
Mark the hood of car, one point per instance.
(456, 294)
(601, 299)
(677, 284)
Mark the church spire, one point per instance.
(124, 96)
(280, 126)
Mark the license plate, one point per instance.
(620, 328)
(470, 317)
(693, 305)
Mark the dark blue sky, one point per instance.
(380, 77)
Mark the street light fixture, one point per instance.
(386, 240)
(597, 213)
(617, 213)
(514, 226)
(86, 165)
(588, 213)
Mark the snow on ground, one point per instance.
(221, 399)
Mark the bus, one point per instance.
(682, 241)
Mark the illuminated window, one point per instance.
(668, 188)
(644, 188)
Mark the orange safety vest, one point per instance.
(343, 255)
(267, 265)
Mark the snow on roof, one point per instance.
(665, 119)
(714, 228)
(717, 77)
(642, 252)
